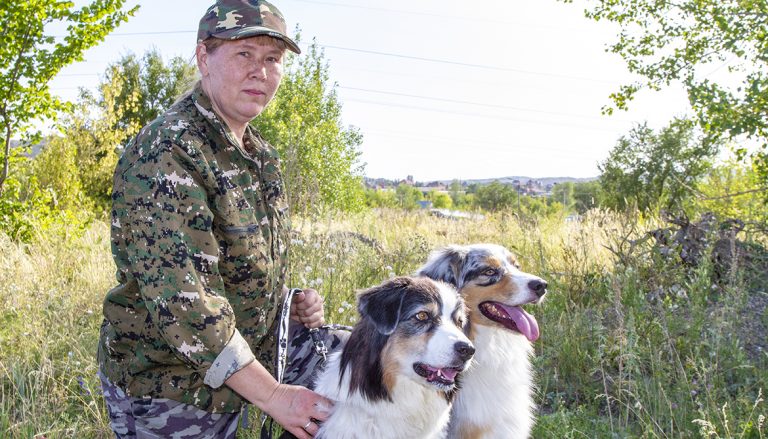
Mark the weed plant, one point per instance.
(634, 344)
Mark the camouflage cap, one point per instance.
(236, 19)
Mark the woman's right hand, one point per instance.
(293, 407)
(297, 408)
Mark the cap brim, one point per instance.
(253, 31)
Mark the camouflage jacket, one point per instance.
(198, 236)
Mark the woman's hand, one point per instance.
(307, 308)
(297, 409)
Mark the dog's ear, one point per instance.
(445, 265)
(382, 304)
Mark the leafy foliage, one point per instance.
(39, 197)
(440, 200)
(132, 93)
(380, 198)
(30, 58)
(319, 155)
(96, 131)
(565, 194)
(728, 191)
(586, 195)
(149, 86)
(496, 196)
(688, 41)
(655, 170)
(408, 197)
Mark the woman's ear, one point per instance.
(201, 54)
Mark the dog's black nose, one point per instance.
(538, 286)
(465, 350)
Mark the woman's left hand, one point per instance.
(307, 308)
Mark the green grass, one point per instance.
(632, 346)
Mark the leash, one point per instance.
(281, 357)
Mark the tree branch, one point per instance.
(6, 118)
(760, 189)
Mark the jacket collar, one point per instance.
(205, 107)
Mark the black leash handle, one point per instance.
(281, 357)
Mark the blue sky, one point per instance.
(441, 89)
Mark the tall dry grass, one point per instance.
(633, 345)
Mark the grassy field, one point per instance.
(633, 344)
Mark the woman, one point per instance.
(199, 239)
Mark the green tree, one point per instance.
(408, 197)
(495, 196)
(149, 87)
(97, 130)
(728, 191)
(539, 207)
(655, 170)
(30, 58)
(380, 198)
(564, 194)
(688, 40)
(586, 195)
(319, 155)
(458, 195)
(440, 200)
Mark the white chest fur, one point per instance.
(415, 412)
(496, 391)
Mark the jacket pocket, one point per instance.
(242, 241)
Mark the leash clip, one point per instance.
(320, 348)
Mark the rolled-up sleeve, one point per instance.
(235, 356)
(174, 255)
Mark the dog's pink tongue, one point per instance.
(446, 374)
(449, 374)
(525, 322)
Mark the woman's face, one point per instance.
(241, 77)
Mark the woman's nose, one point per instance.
(259, 70)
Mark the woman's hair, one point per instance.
(213, 43)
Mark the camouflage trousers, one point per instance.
(156, 418)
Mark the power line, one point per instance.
(133, 34)
(402, 56)
(490, 144)
(428, 14)
(456, 101)
(485, 116)
(462, 64)
(462, 113)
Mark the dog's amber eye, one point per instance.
(490, 272)
(422, 316)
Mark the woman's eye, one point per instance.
(422, 316)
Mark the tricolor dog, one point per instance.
(397, 374)
(495, 400)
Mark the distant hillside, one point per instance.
(544, 181)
